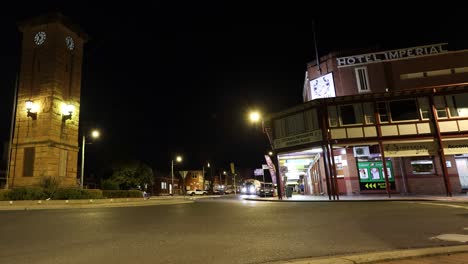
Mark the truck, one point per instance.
(250, 186)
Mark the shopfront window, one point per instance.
(422, 166)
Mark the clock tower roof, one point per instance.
(55, 17)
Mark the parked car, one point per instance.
(267, 189)
(229, 189)
(196, 192)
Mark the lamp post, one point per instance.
(178, 159)
(94, 134)
(255, 117)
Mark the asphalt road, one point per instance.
(223, 231)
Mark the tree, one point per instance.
(132, 174)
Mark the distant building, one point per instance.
(194, 180)
(162, 185)
(386, 121)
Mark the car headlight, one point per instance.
(252, 189)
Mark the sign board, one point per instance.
(322, 87)
(455, 147)
(258, 172)
(391, 55)
(410, 149)
(299, 139)
(372, 177)
(232, 168)
(183, 174)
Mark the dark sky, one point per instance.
(163, 79)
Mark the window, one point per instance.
(403, 110)
(414, 75)
(368, 112)
(458, 105)
(439, 104)
(422, 166)
(28, 162)
(362, 79)
(351, 114)
(163, 185)
(383, 113)
(439, 72)
(332, 116)
(424, 107)
(311, 120)
(280, 128)
(295, 124)
(194, 176)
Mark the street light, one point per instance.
(255, 117)
(178, 159)
(94, 134)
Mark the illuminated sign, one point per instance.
(322, 87)
(391, 55)
(258, 172)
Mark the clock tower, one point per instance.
(45, 141)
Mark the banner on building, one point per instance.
(271, 168)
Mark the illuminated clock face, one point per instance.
(39, 38)
(70, 43)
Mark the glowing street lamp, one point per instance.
(254, 116)
(94, 134)
(178, 159)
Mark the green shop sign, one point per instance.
(372, 177)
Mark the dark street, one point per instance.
(223, 231)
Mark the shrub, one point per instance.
(68, 193)
(27, 193)
(50, 185)
(109, 185)
(76, 193)
(122, 193)
(92, 194)
(4, 195)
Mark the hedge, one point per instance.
(121, 193)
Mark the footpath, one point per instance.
(96, 203)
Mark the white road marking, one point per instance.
(452, 237)
(446, 205)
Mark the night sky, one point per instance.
(166, 79)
